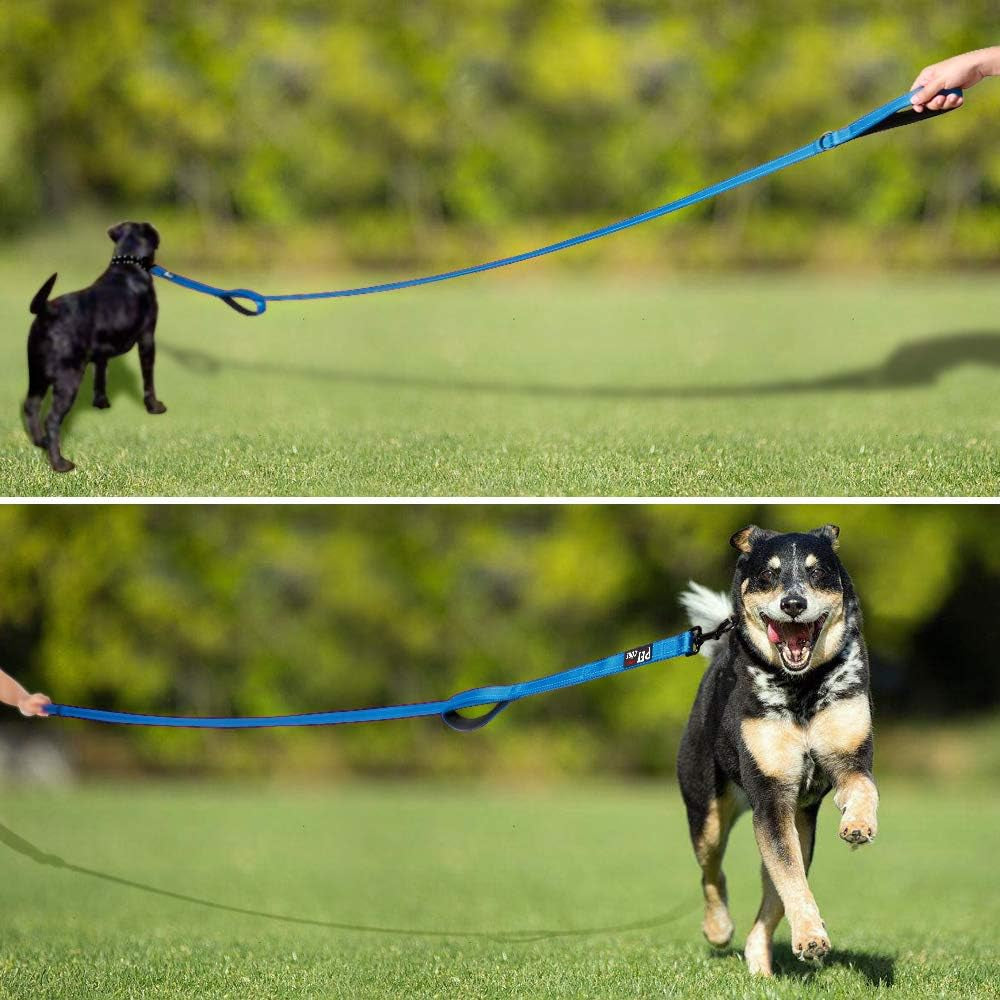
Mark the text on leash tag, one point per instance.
(641, 655)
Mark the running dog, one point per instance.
(782, 717)
(109, 318)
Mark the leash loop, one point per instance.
(230, 298)
(465, 724)
(891, 115)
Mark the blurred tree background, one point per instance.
(378, 132)
(264, 610)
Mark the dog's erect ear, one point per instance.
(117, 232)
(831, 533)
(746, 538)
(741, 540)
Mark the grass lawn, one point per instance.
(187, 891)
(524, 384)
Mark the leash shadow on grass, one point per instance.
(28, 850)
(917, 363)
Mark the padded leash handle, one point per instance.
(911, 117)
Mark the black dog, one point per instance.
(116, 312)
(783, 715)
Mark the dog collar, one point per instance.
(127, 258)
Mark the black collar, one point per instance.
(126, 258)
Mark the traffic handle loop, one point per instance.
(228, 295)
(464, 724)
(231, 297)
(496, 697)
(892, 115)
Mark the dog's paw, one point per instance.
(718, 928)
(810, 942)
(757, 951)
(857, 830)
(62, 465)
(155, 406)
(102, 402)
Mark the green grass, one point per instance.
(527, 385)
(425, 891)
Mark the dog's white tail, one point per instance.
(706, 608)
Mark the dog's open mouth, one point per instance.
(794, 640)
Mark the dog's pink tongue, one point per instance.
(772, 633)
(796, 637)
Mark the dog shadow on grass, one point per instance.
(28, 850)
(879, 969)
(917, 363)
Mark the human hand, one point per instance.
(34, 704)
(962, 71)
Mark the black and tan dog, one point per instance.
(782, 717)
(109, 318)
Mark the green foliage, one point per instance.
(265, 610)
(479, 114)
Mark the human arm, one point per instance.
(962, 71)
(14, 694)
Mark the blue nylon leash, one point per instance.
(497, 696)
(892, 115)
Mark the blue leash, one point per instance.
(499, 696)
(892, 115)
